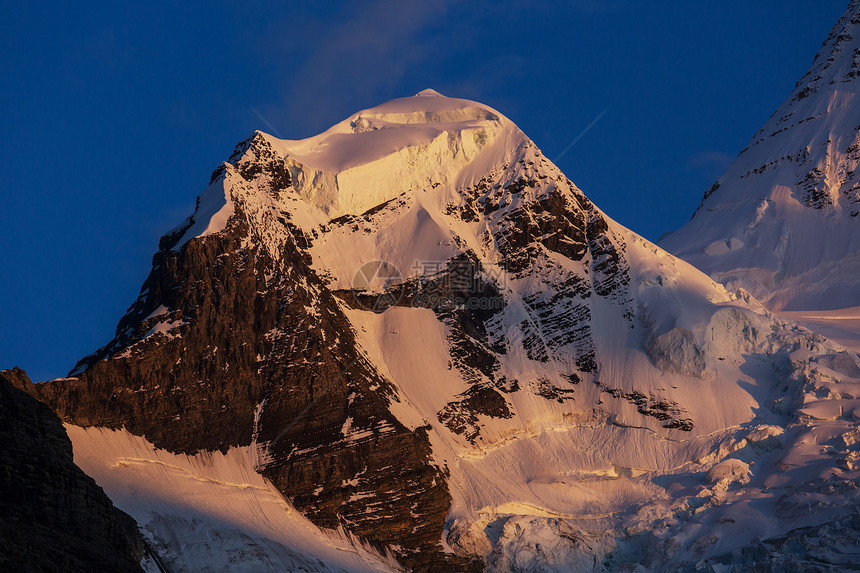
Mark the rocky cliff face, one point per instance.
(229, 346)
(55, 517)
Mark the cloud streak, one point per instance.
(581, 134)
(362, 57)
(358, 55)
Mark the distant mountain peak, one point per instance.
(783, 221)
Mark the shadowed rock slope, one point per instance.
(54, 516)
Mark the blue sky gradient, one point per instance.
(115, 115)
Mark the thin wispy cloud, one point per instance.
(332, 64)
(712, 163)
(364, 54)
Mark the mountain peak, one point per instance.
(429, 92)
(401, 146)
(836, 59)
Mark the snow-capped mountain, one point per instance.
(784, 220)
(418, 331)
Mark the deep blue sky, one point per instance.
(113, 117)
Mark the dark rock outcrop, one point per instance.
(531, 233)
(54, 516)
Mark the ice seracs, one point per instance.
(402, 145)
(783, 221)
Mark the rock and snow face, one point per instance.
(523, 384)
(212, 511)
(783, 221)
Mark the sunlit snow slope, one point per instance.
(784, 220)
(212, 511)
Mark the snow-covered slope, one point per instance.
(377, 154)
(212, 511)
(444, 346)
(784, 220)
